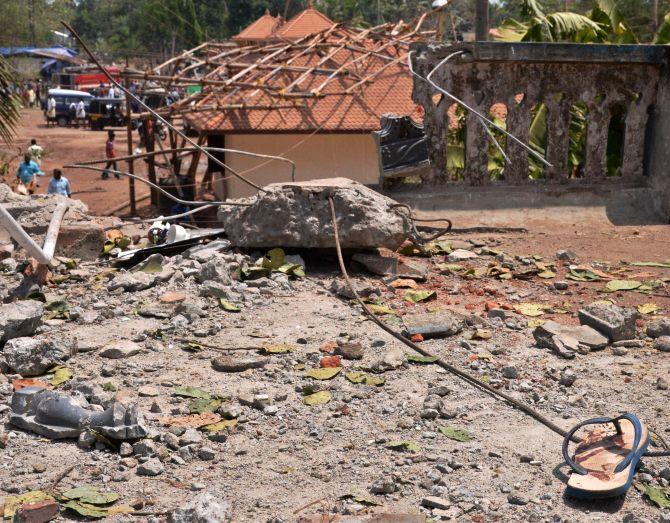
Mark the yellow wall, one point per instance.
(352, 156)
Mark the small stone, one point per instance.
(568, 377)
(86, 440)
(238, 364)
(190, 437)
(514, 499)
(147, 391)
(39, 467)
(662, 343)
(144, 448)
(205, 508)
(125, 449)
(33, 356)
(461, 255)
(617, 323)
(566, 255)
(383, 486)
(152, 467)
(658, 328)
(350, 350)
(665, 473)
(631, 344)
(619, 351)
(37, 512)
(206, 454)
(662, 384)
(561, 285)
(171, 440)
(120, 350)
(435, 502)
(510, 373)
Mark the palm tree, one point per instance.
(10, 103)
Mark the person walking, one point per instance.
(51, 110)
(59, 184)
(81, 113)
(36, 152)
(31, 97)
(26, 174)
(110, 154)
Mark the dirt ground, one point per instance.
(295, 460)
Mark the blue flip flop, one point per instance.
(604, 463)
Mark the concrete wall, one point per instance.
(352, 156)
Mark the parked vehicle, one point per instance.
(64, 98)
(107, 112)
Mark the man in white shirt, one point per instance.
(81, 113)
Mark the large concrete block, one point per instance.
(298, 215)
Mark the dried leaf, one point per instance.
(293, 269)
(419, 296)
(323, 374)
(361, 377)
(547, 275)
(87, 510)
(404, 446)
(191, 392)
(60, 375)
(665, 265)
(318, 398)
(530, 309)
(89, 494)
(456, 434)
(421, 359)
(226, 424)
(274, 259)
(648, 308)
(227, 306)
(449, 267)
(622, 285)
(202, 405)
(380, 309)
(279, 348)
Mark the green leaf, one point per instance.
(202, 405)
(547, 275)
(293, 269)
(227, 306)
(318, 398)
(87, 510)
(193, 347)
(278, 348)
(274, 259)
(404, 446)
(226, 424)
(254, 271)
(191, 392)
(380, 309)
(13, 503)
(461, 435)
(60, 375)
(107, 248)
(449, 267)
(419, 296)
(582, 275)
(421, 359)
(658, 496)
(648, 308)
(622, 285)
(152, 265)
(665, 265)
(88, 494)
(323, 374)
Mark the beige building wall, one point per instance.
(352, 156)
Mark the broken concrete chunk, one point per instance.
(215, 270)
(33, 356)
(362, 288)
(57, 416)
(617, 323)
(205, 508)
(461, 255)
(567, 340)
(662, 343)
(392, 359)
(298, 215)
(132, 281)
(392, 266)
(18, 319)
(658, 328)
(434, 324)
(120, 350)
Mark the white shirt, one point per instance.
(81, 111)
(51, 104)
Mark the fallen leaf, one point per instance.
(274, 259)
(227, 306)
(403, 284)
(60, 375)
(380, 309)
(13, 503)
(648, 308)
(547, 275)
(226, 424)
(421, 359)
(665, 265)
(194, 421)
(408, 446)
(323, 374)
(482, 334)
(191, 392)
(456, 434)
(449, 267)
(57, 310)
(659, 497)
(293, 269)
(279, 348)
(318, 398)
(419, 296)
(622, 285)
(87, 510)
(535, 323)
(361, 377)
(202, 405)
(530, 309)
(89, 494)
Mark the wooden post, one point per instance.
(131, 167)
(149, 137)
(482, 21)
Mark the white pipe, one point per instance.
(46, 254)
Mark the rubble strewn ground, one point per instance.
(298, 405)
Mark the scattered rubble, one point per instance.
(617, 323)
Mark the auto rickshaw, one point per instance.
(107, 112)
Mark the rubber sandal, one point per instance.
(604, 463)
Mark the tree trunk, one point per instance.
(482, 21)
